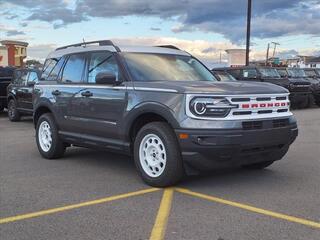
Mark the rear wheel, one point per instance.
(257, 166)
(49, 144)
(157, 155)
(13, 112)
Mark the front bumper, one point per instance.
(219, 148)
(299, 97)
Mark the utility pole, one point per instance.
(275, 47)
(248, 31)
(267, 57)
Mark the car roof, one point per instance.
(129, 49)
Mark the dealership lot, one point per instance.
(84, 191)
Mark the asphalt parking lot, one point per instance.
(98, 195)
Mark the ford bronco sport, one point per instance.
(161, 105)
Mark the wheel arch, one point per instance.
(40, 110)
(146, 113)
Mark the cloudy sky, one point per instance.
(203, 27)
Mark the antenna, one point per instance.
(84, 42)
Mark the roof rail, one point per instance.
(84, 44)
(169, 46)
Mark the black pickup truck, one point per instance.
(174, 118)
(299, 75)
(6, 74)
(299, 90)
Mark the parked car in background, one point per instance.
(299, 90)
(175, 118)
(6, 74)
(20, 92)
(312, 73)
(223, 76)
(314, 83)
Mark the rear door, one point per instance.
(99, 108)
(69, 87)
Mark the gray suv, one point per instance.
(162, 106)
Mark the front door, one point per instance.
(32, 78)
(22, 90)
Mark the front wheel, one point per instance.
(13, 113)
(49, 144)
(257, 166)
(157, 155)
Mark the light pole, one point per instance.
(248, 31)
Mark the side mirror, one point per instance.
(106, 78)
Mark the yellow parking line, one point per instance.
(250, 208)
(79, 205)
(159, 228)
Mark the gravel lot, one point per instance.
(31, 184)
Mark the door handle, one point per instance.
(56, 92)
(87, 94)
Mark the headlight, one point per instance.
(211, 107)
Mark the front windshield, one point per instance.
(296, 72)
(224, 77)
(282, 72)
(310, 72)
(269, 73)
(166, 67)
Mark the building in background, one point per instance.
(12, 53)
(236, 57)
(3, 56)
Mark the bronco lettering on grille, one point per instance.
(265, 105)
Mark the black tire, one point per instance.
(1, 108)
(13, 113)
(317, 101)
(257, 166)
(173, 170)
(58, 147)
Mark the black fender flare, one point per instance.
(144, 108)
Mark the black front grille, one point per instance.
(252, 125)
(280, 123)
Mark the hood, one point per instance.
(219, 88)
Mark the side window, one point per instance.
(48, 66)
(102, 62)
(73, 70)
(249, 73)
(56, 70)
(20, 78)
(33, 77)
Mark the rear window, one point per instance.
(48, 67)
(249, 73)
(74, 68)
(234, 72)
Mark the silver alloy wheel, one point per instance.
(44, 136)
(152, 155)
